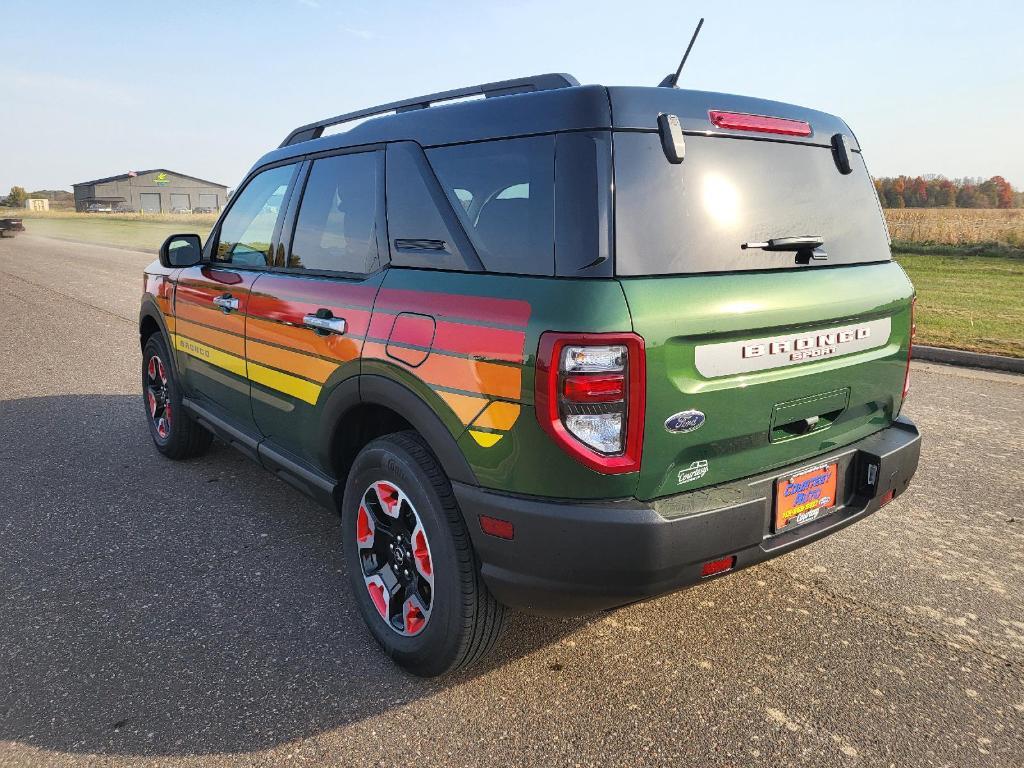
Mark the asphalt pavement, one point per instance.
(161, 613)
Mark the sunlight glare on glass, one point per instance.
(721, 199)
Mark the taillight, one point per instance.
(739, 121)
(590, 397)
(910, 347)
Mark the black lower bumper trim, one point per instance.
(572, 558)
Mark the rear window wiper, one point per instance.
(805, 247)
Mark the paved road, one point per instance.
(154, 613)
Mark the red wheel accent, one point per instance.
(167, 414)
(160, 370)
(421, 553)
(388, 496)
(152, 403)
(377, 596)
(151, 368)
(364, 528)
(413, 617)
(394, 554)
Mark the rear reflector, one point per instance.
(910, 347)
(492, 526)
(718, 566)
(739, 121)
(889, 496)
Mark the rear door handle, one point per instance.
(325, 324)
(227, 303)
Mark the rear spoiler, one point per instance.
(638, 109)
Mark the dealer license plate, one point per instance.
(805, 497)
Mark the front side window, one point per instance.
(336, 228)
(503, 192)
(248, 228)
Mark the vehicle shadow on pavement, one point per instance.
(157, 608)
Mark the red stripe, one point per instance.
(324, 293)
(273, 308)
(417, 330)
(473, 308)
(491, 343)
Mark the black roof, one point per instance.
(140, 173)
(559, 107)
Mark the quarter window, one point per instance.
(503, 192)
(248, 228)
(336, 228)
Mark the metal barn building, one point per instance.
(155, 191)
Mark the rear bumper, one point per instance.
(575, 558)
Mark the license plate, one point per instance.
(805, 497)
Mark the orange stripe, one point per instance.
(342, 348)
(234, 323)
(465, 406)
(502, 381)
(291, 362)
(225, 341)
(498, 416)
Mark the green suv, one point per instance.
(547, 346)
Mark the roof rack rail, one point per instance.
(544, 82)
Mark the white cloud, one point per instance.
(362, 34)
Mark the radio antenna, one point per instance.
(671, 80)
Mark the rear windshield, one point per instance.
(693, 216)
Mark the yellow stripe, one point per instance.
(282, 382)
(486, 439)
(213, 356)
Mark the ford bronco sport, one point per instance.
(558, 347)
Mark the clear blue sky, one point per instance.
(92, 89)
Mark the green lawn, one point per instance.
(969, 302)
(108, 230)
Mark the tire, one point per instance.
(462, 619)
(175, 434)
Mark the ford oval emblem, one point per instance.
(684, 421)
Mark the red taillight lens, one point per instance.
(910, 347)
(590, 397)
(718, 566)
(594, 388)
(739, 121)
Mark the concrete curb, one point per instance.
(971, 359)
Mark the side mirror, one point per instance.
(181, 251)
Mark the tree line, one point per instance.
(940, 192)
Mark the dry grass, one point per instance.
(198, 219)
(957, 226)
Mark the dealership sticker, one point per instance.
(693, 472)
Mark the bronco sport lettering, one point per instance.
(524, 386)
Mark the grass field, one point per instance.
(136, 231)
(969, 302)
(967, 265)
(1000, 229)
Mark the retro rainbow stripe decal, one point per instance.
(469, 349)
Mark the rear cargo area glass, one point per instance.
(692, 217)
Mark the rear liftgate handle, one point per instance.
(324, 322)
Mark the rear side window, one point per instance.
(694, 216)
(503, 193)
(248, 228)
(336, 229)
